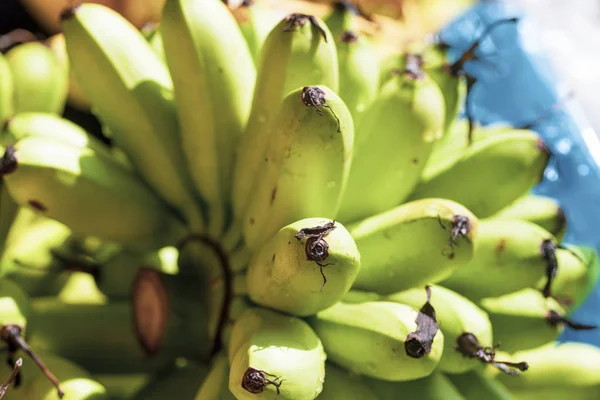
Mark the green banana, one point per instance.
(559, 371)
(412, 101)
(72, 381)
(56, 179)
(492, 173)
(298, 52)
(153, 35)
(433, 387)
(181, 382)
(40, 83)
(456, 315)
(99, 337)
(7, 91)
(9, 211)
(306, 165)
(541, 210)
(81, 288)
(256, 21)
(132, 94)
(213, 77)
(15, 305)
(275, 356)
(53, 127)
(414, 244)
(342, 384)
(525, 319)
(169, 315)
(376, 339)
(216, 384)
(509, 256)
(476, 385)
(284, 273)
(30, 260)
(122, 386)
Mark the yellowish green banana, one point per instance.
(415, 244)
(491, 174)
(298, 52)
(306, 267)
(398, 130)
(306, 164)
(215, 385)
(55, 179)
(275, 356)
(181, 382)
(7, 91)
(213, 77)
(40, 82)
(433, 387)
(373, 339)
(343, 384)
(132, 93)
(476, 385)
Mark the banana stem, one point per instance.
(11, 378)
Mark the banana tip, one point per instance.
(541, 146)
(6, 124)
(69, 12)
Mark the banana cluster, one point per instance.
(279, 215)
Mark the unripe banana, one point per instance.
(81, 288)
(256, 21)
(305, 268)
(216, 384)
(433, 387)
(343, 384)
(132, 94)
(154, 37)
(122, 386)
(298, 52)
(492, 173)
(414, 244)
(525, 319)
(30, 258)
(559, 371)
(176, 383)
(40, 82)
(9, 211)
(15, 305)
(53, 127)
(456, 315)
(275, 357)
(374, 339)
(508, 257)
(75, 96)
(99, 337)
(7, 90)
(56, 179)
(306, 164)
(476, 385)
(541, 210)
(213, 92)
(398, 131)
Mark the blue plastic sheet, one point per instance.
(517, 85)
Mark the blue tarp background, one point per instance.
(517, 86)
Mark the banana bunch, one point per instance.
(278, 215)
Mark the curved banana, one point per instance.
(284, 273)
(433, 387)
(132, 94)
(392, 144)
(256, 21)
(298, 52)
(213, 77)
(559, 371)
(508, 257)
(30, 260)
(541, 210)
(306, 164)
(374, 339)
(343, 384)
(215, 385)
(456, 315)
(181, 382)
(40, 82)
(492, 173)
(525, 319)
(9, 211)
(75, 96)
(56, 179)
(476, 385)
(15, 305)
(415, 244)
(7, 90)
(276, 356)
